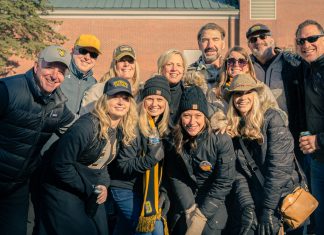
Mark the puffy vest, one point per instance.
(28, 123)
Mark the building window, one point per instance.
(262, 9)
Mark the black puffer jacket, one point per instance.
(203, 175)
(68, 181)
(27, 123)
(131, 163)
(275, 159)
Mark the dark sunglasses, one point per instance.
(84, 51)
(254, 39)
(232, 61)
(310, 39)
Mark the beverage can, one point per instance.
(304, 133)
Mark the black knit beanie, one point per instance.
(193, 98)
(157, 85)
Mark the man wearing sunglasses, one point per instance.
(77, 80)
(211, 42)
(280, 71)
(310, 46)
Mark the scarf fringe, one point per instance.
(146, 224)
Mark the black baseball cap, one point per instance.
(257, 29)
(116, 85)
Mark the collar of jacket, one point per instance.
(77, 73)
(319, 63)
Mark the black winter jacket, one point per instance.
(274, 158)
(203, 175)
(68, 181)
(314, 99)
(131, 163)
(26, 123)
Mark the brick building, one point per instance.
(154, 26)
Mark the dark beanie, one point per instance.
(193, 98)
(157, 85)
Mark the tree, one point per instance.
(23, 32)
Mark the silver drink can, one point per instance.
(304, 133)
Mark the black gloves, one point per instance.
(156, 151)
(248, 220)
(267, 223)
(164, 203)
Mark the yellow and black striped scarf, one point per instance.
(150, 208)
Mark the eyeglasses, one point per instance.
(254, 39)
(84, 51)
(232, 61)
(310, 39)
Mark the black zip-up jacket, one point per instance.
(27, 121)
(274, 158)
(131, 163)
(203, 175)
(314, 100)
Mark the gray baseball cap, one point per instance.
(55, 54)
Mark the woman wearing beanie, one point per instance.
(260, 134)
(124, 65)
(76, 179)
(137, 172)
(200, 165)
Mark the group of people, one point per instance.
(207, 148)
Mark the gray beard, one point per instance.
(210, 59)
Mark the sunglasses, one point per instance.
(310, 39)
(232, 61)
(84, 51)
(254, 39)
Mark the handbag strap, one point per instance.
(253, 166)
(300, 174)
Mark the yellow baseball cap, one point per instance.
(88, 40)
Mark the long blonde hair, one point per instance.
(163, 125)
(135, 81)
(249, 126)
(128, 122)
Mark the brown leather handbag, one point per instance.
(297, 206)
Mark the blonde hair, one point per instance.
(163, 125)
(180, 136)
(128, 122)
(250, 125)
(223, 75)
(166, 56)
(112, 72)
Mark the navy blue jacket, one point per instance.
(27, 121)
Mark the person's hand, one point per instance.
(189, 213)
(156, 151)
(102, 197)
(164, 203)
(308, 144)
(266, 223)
(198, 222)
(248, 220)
